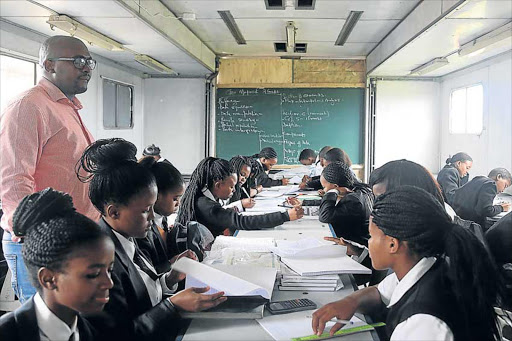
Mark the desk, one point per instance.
(222, 329)
(502, 197)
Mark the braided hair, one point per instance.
(338, 155)
(404, 172)
(235, 164)
(52, 230)
(113, 172)
(207, 172)
(267, 153)
(340, 174)
(411, 214)
(168, 177)
(461, 156)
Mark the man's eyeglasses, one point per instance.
(78, 62)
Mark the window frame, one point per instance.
(466, 87)
(132, 100)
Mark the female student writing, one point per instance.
(212, 181)
(454, 174)
(125, 193)
(444, 283)
(346, 204)
(264, 161)
(69, 259)
(241, 198)
(474, 200)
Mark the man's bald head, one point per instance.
(54, 46)
(62, 72)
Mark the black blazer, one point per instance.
(155, 249)
(21, 325)
(262, 178)
(350, 217)
(129, 311)
(449, 180)
(211, 214)
(474, 200)
(314, 183)
(499, 239)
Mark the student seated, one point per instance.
(241, 198)
(499, 239)
(69, 259)
(346, 204)
(171, 186)
(444, 283)
(454, 174)
(474, 200)
(264, 161)
(212, 181)
(307, 157)
(125, 193)
(313, 182)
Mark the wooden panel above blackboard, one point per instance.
(289, 120)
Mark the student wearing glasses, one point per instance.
(42, 136)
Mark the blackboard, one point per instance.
(289, 120)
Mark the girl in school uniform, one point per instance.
(212, 181)
(125, 192)
(454, 174)
(346, 204)
(313, 181)
(69, 259)
(474, 200)
(241, 199)
(444, 283)
(264, 161)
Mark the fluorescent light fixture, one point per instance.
(290, 34)
(232, 26)
(76, 29)
(153, 64)
(486, 40)
(350, 23)
(430, 66)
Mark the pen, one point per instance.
(243, 189)
(337, 320)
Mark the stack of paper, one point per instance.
(325, 266)
(248, 244)
(291, 281)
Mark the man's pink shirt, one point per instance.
(41, 139)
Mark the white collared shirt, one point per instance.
(238, 204)
(51, 327)
(418, 326)
(155, 288)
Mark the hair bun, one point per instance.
(148, 162)
(40, 207)
(448, 160)
(104, 155)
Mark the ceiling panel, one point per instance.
(489, 9)
(374, 9)
(84, 8)
(17, 8)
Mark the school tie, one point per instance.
(138, 259)
(165, 227)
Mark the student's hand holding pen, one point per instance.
(306, 178)
(303, 184)
(351, 249)
(293, 201)
(248, 202)
(295, 213)
(193, 299)
(285, 181)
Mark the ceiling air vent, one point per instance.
(275, 4)
(304, 4)
(301, 47)
(280, 47)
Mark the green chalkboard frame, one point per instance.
(289, 120)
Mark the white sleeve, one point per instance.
(422, 327)
(386, 288)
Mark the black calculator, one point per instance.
(290, 306)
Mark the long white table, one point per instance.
(222, 329)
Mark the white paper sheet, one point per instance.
(308, 248)
(288, 326)
(228, 278)
(325, 266)
(248, 244)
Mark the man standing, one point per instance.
(41, 138)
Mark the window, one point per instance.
(466, 110)
(117, 105)
(16, 76)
